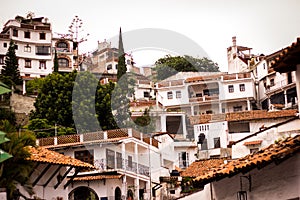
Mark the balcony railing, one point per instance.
(126, 165)
(204, 98)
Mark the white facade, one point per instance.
(33, 39)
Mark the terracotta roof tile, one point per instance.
(288, 58)
(245, 115)
(202, 167)
(253, 142)
(43, 155)
(97, 177)
(273, 153)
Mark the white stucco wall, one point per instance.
(276, 182)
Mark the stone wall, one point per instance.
(22, 106)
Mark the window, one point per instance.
(272, 83)
(62, 45)
(178, 94)
(27, 48)
(170, 95)
(4, 44)
(63, 63)
(237, 108)
(109, 67)
(119, 160)
(43, 50)
(110, 159)
(42, 36)
(116, 66)
(217, 143)
(183, 159)
(15, 32)
(230, 88)
(1, 59)
(253, 150)
(130, 161)
(238, 127)
(16, 47)
(264, 65)
(204, 145)
(27, 63)
(26, 34)
(146, 94)
(128, 62)
(85, 156)
(42, 64)
(242, 87)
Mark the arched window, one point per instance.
(129, 195)
(118, 193)
(63, 63)
(109, 67)
(62, 45)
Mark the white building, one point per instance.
(33, 40)
(127, 162)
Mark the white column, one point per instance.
(124, 186)
(298, 85)
(285, 99)
(163, 123)
(24, 87)
(184, 126)
(248, 104)
(137, 187)
(123, 156)
(220, 107)
(192, 110)
(136, 154)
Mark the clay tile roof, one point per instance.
(288, 58)
(274, 153)
(253, 142)
(97, 177)
(244, 116)
(43, 155)
(202, 167)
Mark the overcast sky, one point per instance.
(264, 25)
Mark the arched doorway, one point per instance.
(129, 195)
(118, 193)
(83, 192)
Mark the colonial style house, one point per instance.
(270, 173)
(128, 163)
(49, 174)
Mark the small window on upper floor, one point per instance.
(109, 67)
(264, 65)
(272, 82)
(27, 34)
(15, 33)
(42, 36)
(170, 95)
(146, 94)
(62, 45)
(4, 44)
(128, 62)
(27, 63)
(230, 88)
(178, 94)
(16, 47)
(42, 64)
(27, 48)
(242, 87)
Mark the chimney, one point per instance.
(234, 41)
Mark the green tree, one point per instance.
(55, 62)
(121, 61)
(10, 73)
(54, 100)
(15, 171)
(168, 66)
(33, 86)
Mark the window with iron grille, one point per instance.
(170, 95)
(63, 63)
(42, 64)
(178, 94)
(43, 50)
(27, 48)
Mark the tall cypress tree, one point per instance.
(121, 62)
(55, 62)
(10, 73)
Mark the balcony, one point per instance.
(205, 98)
(121, 164)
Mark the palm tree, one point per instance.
(15, 171)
